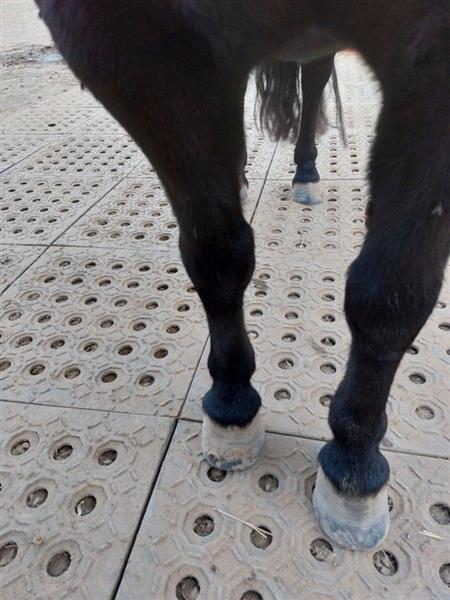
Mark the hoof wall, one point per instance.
(306, 193)
(232, 448)
(353, 523)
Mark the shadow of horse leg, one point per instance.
(314, 78)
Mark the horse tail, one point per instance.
(279, 98)
(279, 101)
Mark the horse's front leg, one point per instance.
(392, 288)
(314, 78)
(203, 181)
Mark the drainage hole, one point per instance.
(146, 380)
(85, 506)
(58, 564)
(107, 457)
(125, 350)
(325, 400)
(216, 475)
(282, 395)
(72, 373)
(268, 482)
(57, 343)
(90, 347)
(24, 341)
(328, 368)
(203, 525)
(328, 318)
(286, 363)
(37, 369)
(291, 315)
(37, 497)
(261, 539)
(109, 377)
(385, 563)
(187, 589)
(413, 350)
(63, 452)
(20, 447)
(251, 595)
(322, 550)
(440, 513)
(173, 329)
(289, 337)
(8, 553)
(161, 353)
(444, 572)
(5, 364)
(328, 341)
(425, 412)
(417, 378)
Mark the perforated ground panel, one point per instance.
(335, 228)
(73, 486)
(83, 156)
(296, 323)
(137, 214)
(35, 210)
(15, 148)
(99, 329)
(14, 260)
(195, 537)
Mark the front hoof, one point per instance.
(353, 523)
(232, 448)
(306, 193)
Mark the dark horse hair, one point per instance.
(279, 102)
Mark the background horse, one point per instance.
(174, 74)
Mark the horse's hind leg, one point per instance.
(314, 78)
(392, 288)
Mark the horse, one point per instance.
(174, 74)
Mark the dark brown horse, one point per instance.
(174, 73)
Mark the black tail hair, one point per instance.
(279, 100)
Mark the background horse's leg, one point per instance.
(314, 78)
(392, 288)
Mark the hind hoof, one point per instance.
(353, 523)
(232, 448)
(306, 193)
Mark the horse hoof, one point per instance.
(353, 523)
(306, 193)
(232, 448)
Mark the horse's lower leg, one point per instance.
(314, 78)
(392, 288)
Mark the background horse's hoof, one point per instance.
(306, 193)
(353, 523)
(232, 448)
